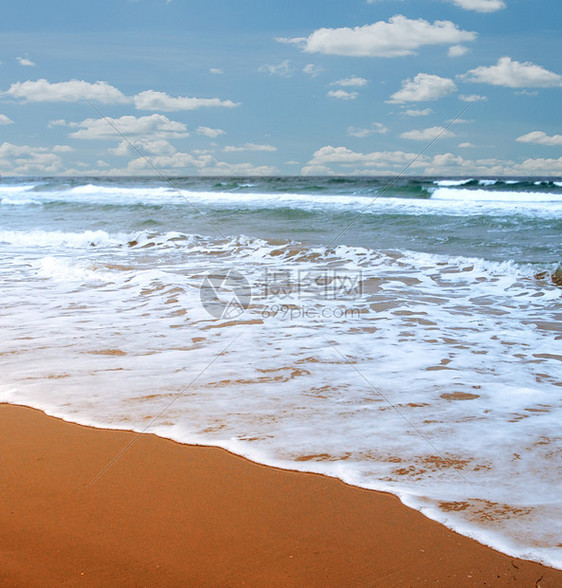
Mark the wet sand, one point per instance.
(166, 514)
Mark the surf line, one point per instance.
(161, 413)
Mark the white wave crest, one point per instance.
(460, 195)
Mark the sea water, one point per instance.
(400, 334)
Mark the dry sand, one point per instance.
(173, 515)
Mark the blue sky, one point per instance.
(217, 87)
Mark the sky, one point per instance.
(271, 87)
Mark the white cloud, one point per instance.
(417, 112)
(121, 150)
(204, 165)
(428, 134)
(542, 167)
(466, 145)
(155, 126)
(513, 74)
(312, 70)
(317, 170)
(176, 161)
(457, 50)
(249, 147)
(350, 162)
(152, 100)
(361, 133)
(4, 120)
(145, 146)
(398, 37)
(24, 159)
(72, 91)
(62, 149)
(222, 168)
(343, 155)
(156, 147)
(352, 82)
(342, 94)
(540, 138)
(25, 62)
(283, 69)
(449, 164)
(480, 5)
(472, 98)
(424, 87)
(216, 70)
(209, 132)
(57, 123)
(340, 160)
(76, 90)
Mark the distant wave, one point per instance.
(493, 196)
(533, 197)
(447, 183)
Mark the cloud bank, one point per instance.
(80, 90)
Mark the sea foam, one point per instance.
(436, 377)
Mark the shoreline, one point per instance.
(169, 514)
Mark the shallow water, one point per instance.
(403, 337)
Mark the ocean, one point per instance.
(401, 334)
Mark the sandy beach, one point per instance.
(310, 252)
(166, 514)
